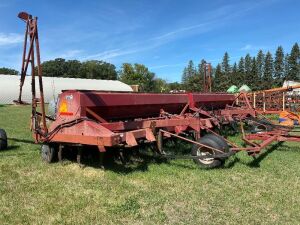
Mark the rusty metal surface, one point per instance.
(32, 39)
(273, 101)
(106, 119)
(207, 79)
(117, 106)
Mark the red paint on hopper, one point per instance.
(122, 106)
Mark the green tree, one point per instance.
(194, 84)
(201, 67)
(294, 67)
(279, 66)
(92, 69)
(248, 73)
(218, 77)
(286, 66)
(260, 67)
(175, 86)
(255, 79)
(268, 71)
(241, 73)
(234, 74)
(191, 70)
(184, 77)
(72, 68)
(108, 71)
(138, 74)
(191, 80)
(225, 64)
(161, 86)
(8, 71)
(95, 69)
(200, 74)
(54, 68)
(226, 72)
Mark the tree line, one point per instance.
(4, 70)
(92, 69)
(262, 71)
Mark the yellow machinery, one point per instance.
(287, 118)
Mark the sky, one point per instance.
(162, 34)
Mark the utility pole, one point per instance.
(207, 77)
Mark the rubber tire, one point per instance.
(221, 142)
(267, 125)
(209, 141)
(48, 153)
(3, 139)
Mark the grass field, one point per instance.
(265, 190)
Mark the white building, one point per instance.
(10, 85)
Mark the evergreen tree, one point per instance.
(268, 71)
(279, 66)
(218, 87)
(294, 67)
(201, 67)
(191, 70)
(184, 77)
(260, 67)
(191, 78)
(194, 84)
(234, 75)
(255, 80)
(225, 64)
(200, 74)
(226, 72)
(286, 66)
(248, 76)
(241, 73)
(188, 72)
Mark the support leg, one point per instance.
(60, 149)
(159, 143)
(79, 155)
(101, 160)
(122, 157)
(197, 135)
(102, 151)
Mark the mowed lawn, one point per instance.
(265, 190)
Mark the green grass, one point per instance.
(265, 190)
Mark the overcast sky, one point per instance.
(164, 35)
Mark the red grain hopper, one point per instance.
(127, 106)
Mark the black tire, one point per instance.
(264, 125)
(48, 153)
(3, 139)
(210, 162)
(221, 142)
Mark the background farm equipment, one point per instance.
(119, 121)
(287, 118)
(275, 100)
